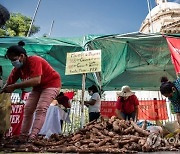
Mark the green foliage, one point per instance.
(2, 32)
(18, 25)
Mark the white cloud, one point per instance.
(177, 1)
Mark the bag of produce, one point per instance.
(5, 110)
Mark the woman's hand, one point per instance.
(118, 113)
(8, 89)
(85, 103)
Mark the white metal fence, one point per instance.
(75, 112)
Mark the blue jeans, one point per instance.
(128, 116)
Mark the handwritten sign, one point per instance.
(83, 62)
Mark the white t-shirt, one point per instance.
(96, 107)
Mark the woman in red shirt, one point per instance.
(127, 104)
(35, 72)
(64, 101)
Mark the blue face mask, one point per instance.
(17, 63)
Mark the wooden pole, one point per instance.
(82, 103)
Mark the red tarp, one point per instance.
(148, 109)
(174, 47)
(152, 110)
(16, 117)
(108, 108)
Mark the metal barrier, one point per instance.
(75, 113)
(75, 116)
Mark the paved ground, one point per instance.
(162, 152)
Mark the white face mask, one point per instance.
(17, 63)
(91, 93)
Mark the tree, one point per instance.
(18, 25)
(4, 15)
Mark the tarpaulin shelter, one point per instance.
(53, 50)
(137, 60)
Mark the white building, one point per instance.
(164, 18)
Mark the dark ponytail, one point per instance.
(166, 86)
(16, 50)
(164, 79)
(21, 43)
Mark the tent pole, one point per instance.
(32, 21)
(52, 24)
(138, 53)
(82, 103)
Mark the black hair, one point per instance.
(60, 94)
(93, 88)
(16, 50)
(166, 86)
(164, 79)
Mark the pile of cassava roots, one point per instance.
(105, 136)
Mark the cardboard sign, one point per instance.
(83, 62)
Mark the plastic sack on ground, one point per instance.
(155, 129)
(5, 110)
(171, 126)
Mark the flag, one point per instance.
(174, 47)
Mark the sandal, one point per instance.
(21, 139)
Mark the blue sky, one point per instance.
(82, 17)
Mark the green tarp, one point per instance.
(53, 50)
(137, 60)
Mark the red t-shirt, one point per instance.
(36, 66)
(128, 105)
(64, 100)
